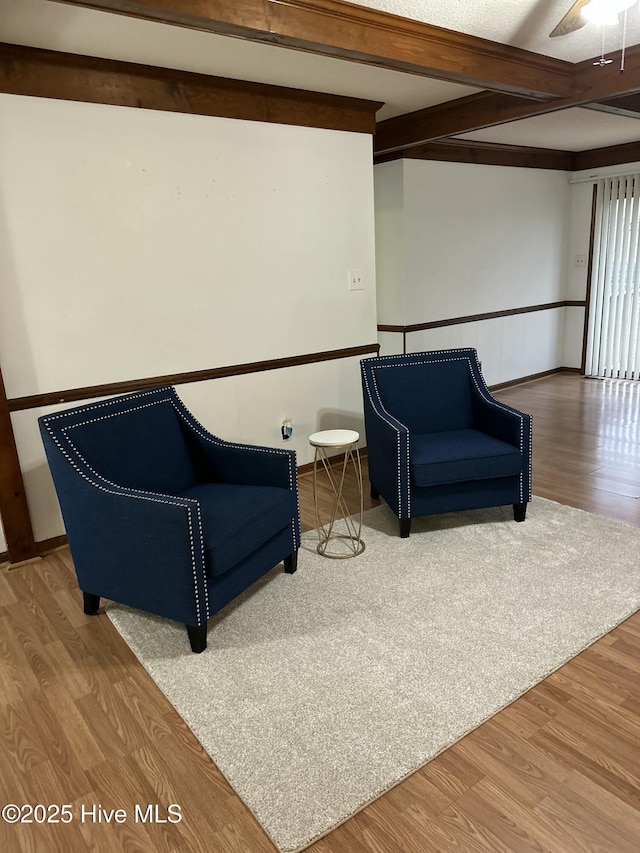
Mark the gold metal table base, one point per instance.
(341, 516)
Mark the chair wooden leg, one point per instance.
(197, 637)
(91, 603)
(291, 563)
(405, 528)
(519, 511)
(375, 494)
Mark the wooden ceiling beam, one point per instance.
(527, 157)
(518, 84)
(346, 31)
(627, 106)
(475, 112)
(600, 88)
(613, 155)
(591, 83)
(51, 74)
(486, 153)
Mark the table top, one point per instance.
(334, 438)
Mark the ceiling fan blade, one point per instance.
(572, 21)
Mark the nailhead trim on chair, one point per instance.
(186, 503)
(482, 390)
(195, 424)
(377, 405)
(399, 436)
(191, 505)
(486, 394)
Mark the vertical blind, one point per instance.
(614, 315)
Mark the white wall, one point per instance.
(579, 234)
(136, 243)
(508, 347)
(183, 242)
(477, 239)
(390, 242)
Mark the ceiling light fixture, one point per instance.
(605, 12)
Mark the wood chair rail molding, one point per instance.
(474, 318)
(348, 31)
(304, 471)
(53, 398)
(14, 510)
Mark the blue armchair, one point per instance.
(163, 516)
(438, 441)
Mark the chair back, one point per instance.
(135, 441)
(427, 392)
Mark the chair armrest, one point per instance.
(241, 464)
(387, 454)
(509, 425)
(245, 464)
(138, 548)
(232, 462)
(383, 429)
(495, 418)
(501, 421)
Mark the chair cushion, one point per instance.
(239, 519)
(459, 455)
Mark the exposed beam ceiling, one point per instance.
(488, 153)
(620, 94)
(519, 84)
(365, 35)
(473, 112)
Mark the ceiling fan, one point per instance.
(585, 11)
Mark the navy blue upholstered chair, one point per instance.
(163, 516)
(438, 441)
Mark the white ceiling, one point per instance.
(54, 26)
(520, 23)
(567, 131)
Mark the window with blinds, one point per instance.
(614, 311)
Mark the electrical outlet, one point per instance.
(286, 429)
(356, 281)
(581, 261)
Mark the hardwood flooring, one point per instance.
(558, 771)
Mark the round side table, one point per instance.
(338, 546)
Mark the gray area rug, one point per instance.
(321, 690)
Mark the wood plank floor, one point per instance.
(558, 770)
